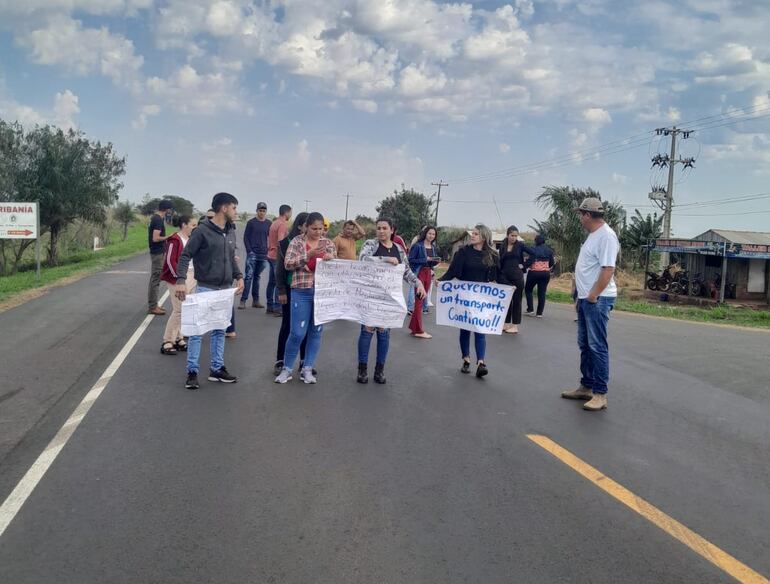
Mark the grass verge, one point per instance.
(77, 264)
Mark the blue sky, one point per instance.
(288, 101)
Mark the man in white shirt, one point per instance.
(596, 294)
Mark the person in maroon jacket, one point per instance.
(173, 341)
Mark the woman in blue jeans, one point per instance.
(301, 257)
(477, 262)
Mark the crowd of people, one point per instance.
(203, 255)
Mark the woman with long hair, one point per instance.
(511, 272)
(301, 257)
(382, 249)
(173, 341)
(423, 257)
(539, 265)
(476, 262)
(283, 288)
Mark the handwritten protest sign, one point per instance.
(473, 306)
(370, 293)
(207, 311)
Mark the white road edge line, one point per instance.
(15, 501)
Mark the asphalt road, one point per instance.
(430, 478)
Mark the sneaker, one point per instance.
(242, 305)
(284, 376)
(222, 375)
(306, 375)
(257, 304)
(530, 313)
(481, 370)
(302, 366)
(598, 402)
(379, 374)
(277, 368)
(582, 392)
(363, 375)
(538, 316)
(192, 381)
(466, 368)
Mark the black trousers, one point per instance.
(539, 279)
(283, 334)
(515, 278)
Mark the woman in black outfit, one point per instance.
(511, 273)
(477, 262)
(283, 288)
(538, 266)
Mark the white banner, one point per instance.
(18, 221)
(475, 306)
(369, 293)
(207, 311)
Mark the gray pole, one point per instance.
(439, 184)
(37, 247)
(669, 195)
(724, 274)
(347, 202)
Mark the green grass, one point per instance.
(77, 263)
(720, 314)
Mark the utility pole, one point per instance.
(307, 203)
(439, 184)
(347, 202)
(664, 198)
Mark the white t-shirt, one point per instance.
(600, 250)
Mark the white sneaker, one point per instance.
(284, 376)
(306, 375)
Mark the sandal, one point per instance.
(168, 349)
(181, 345)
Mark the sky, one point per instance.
(304, 102)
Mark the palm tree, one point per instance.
(640, 231)
(562, 227)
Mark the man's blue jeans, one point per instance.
(217, 347)
(254, 267)
(302, 325)
(592, 341)
(365, 342)
(480, 340)
(272, 290)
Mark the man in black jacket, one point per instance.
(212, 249)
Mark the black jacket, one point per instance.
(213, 251)
(468, 265)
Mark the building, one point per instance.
(742, 255)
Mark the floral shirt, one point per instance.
(297, 262)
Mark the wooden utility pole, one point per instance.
(347, 203)
(439, 184)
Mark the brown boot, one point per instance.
(581, 392)
(598, 402)
(157, 311)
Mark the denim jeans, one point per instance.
(302, 326)
(410, 298)
(272, 291)
(217, 347)
(480, 340)
(365, 342)
(592, 341)
(254, 267)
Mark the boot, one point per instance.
(581, 392)
(379, 373)
(598, 402)
(363, 376)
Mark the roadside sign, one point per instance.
(18, 221)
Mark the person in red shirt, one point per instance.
(173, 341)
(279, 229)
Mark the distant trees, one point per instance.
(639, 231)
(408, 209)
(182, 206)
(70, 176)
(123, 213)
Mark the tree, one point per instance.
(182, 206)
(71, 177)
(124, 214)
(562, 227)
(12, 165)
(639, 232)
(409, 210)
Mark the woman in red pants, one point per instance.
(423, 257)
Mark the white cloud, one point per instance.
(145, 113)
(303, 151)
(597, 116)
(62, 114)
(65, 109)
(223, 18)
(187, 91)
(365, 105)
(620, 179)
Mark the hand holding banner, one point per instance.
(369, 293)
(475, 306)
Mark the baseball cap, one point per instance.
(591, 204)
(165, 205)
(261, 206)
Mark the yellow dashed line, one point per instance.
(692, 540)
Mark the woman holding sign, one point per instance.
(301, 257)
(477, 262)
(423, 257)
(382, 249)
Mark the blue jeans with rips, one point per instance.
(592, 341)
(254, 267)
(480, 341)
(302, 326)
(217, 347)
(365, 342)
